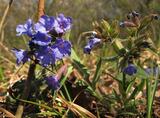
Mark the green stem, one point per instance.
(148, 98)
(124, 82)
(66, 90)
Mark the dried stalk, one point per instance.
(40, 8)
(5, 14)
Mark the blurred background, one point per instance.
(83, 12)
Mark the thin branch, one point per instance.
(5, 14)
(8, 114)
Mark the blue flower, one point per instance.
(130, 70)
(41, 39)
(87, 49)
(45, 24)
(58, 54)
(62, 48)
(21, 55)
(53, 82)
(42, 48)
(152, 71)
(92, 42)
(25, 28)
(62, 24)
(45, 55)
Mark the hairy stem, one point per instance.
(27, 87)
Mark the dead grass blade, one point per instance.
(5, 14)
(78, 109)
(7, 113)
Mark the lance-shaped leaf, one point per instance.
(97, 73)
(106, 25)
(118, 46)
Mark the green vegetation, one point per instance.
(112, 71)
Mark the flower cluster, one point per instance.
(46, 44)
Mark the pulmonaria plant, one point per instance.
(47, 44)
(122, 55)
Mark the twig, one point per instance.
(8, 114)
(40, 8)
(2, 46)
(5, 14)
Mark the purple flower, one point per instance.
(62, 48)
(152, 71)
(62, 24)
(45, 55)
(41, 39)
(45, 24)
(21, 55)
(25, 28)
(92, 42)
(58, 54)
(130, 70)
(53, 82)
(87, 49)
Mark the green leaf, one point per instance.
(141, 73)
(118, 43)
(150, 91)
(137, 90)
(121, 90)
(1, 74)
(97, 73)
(67, 35)
(130, 86)
(47, 113)
(117, 96)
(77, 63)
(146, 21)
(82, 69)
(74, 56)
(126, 113)
(118, 46)
(70, 69)
(112, 58)
(106, 25)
